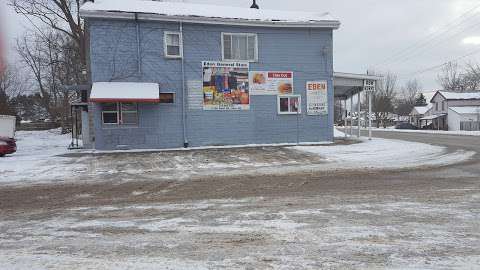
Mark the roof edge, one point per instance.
(331, 24)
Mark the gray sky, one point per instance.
(374, 33)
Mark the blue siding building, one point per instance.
(218, 75)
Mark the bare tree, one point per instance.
(450, 78)
(408, 98)
(382, 99)
(53, 61)
(59, 15)
(471, 77)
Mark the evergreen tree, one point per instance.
(421, 101)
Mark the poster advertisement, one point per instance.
(317, 98)
(225, 86)
(271, 82)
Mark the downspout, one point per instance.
(184, 113)
(139, 63)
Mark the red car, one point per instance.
(7, 146)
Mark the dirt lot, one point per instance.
(403, 219)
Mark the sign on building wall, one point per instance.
(317, 98)
(225, 85)
(271, 82)
(195, 95)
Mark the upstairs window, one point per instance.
(173, 45)
(238, 46)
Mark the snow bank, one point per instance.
(386, 154)
(458, 132)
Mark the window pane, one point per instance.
(294, 105)
(243, 47)
(110, 118)
(173, 39)
(129, 118)
(284, 104)
(251, 47)
(227, 46)
(235, 48)
(109, 106)
(173, 50)
(167, 97)
(129, 107)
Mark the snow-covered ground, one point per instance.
(37, 160)
(458, 132)
(321, 232)
(36, 156)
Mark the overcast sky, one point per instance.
(374, 33)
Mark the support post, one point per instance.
(358, 115)
(345, 120)
(370, 115)
(351, 115)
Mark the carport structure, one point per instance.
(349, 85)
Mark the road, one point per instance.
(403, 219)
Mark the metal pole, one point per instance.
(345, 120)
(358, 115)
(370, 115)
(298, 127)
(351, 115)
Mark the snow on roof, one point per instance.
(125, 92)
(422, 109)
(460, 96)
(466, 109)
(198, 11)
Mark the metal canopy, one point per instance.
(346, 86)
(349, 84)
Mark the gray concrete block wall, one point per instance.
(306, 52)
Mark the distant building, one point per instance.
(452, 111)
(419, 112)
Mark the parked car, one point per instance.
(7, 146)
(405, 126)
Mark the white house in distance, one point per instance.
(464, 118)
(419, 112)
(452, 111)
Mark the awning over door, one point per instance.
(125, 92)
(432, 117)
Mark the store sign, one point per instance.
(317, 98)
(369, 85)
(225, 86)
(271, 82)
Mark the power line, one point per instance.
(424, 50)
(432, 36)
(418, 72)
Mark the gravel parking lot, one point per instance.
(369, 219)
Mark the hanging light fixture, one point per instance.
(254, 5)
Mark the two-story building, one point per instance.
(447, 109)
(168, 75)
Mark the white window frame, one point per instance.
(289, 96)
(116, 111)
(174, 98)
(240, 34)
(119, 113)
(180, 41)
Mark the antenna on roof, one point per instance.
(254, 5)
